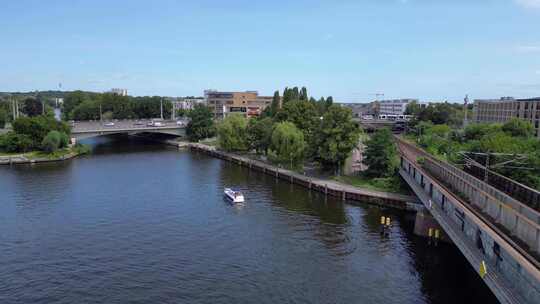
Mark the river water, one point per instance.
(138, 222)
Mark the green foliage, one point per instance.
(413, 108)
(437, 113)
(12, 142)
(478, 131)
(51, 142)
(32, 107)
(287, 145)
(304, 115)
(71, 101)
(38, 127)
(232, 133)
(79, 105)
(379, 154)
(201, 124)
(512, 138)
(259, 133)
(274, 107)
(337, 137)
(81, 149)
(86, 110)
(3, 117)
(518, 127)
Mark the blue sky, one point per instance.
(428, 49)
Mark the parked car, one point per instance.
(138, 123)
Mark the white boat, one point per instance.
(233, 195)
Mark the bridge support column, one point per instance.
(425, 225)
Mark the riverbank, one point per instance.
(41, 157)
(328, 187)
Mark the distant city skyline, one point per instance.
(348, 49)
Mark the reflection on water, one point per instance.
(140, 222)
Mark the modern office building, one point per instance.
(393, 106)
(506, 108)
(247, 103)
(361, 109)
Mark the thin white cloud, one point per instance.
(528, 48)
(529, 3)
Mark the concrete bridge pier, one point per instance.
(426, 225)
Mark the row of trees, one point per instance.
(35, 133)
(301, 129)
(80, 105)
(438, 113)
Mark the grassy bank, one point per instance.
(392, 184)
(33, 155)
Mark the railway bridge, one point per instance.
(498, 234)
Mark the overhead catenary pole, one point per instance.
(465, 110)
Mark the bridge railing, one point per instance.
(517, 219)
(518, 191)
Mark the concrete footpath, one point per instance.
(328, 187)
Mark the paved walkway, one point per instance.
(330, 184)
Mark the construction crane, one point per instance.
(377, 95)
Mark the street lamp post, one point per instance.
(161, 107)
(291, 159)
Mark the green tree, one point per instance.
(303, 94)
(287, 145)
(329, 101)
(259, 134)
(201, 124)
(441, 113)
(303, 114)
(276, 103)
(87, 110)
(518, 127)
(71, 101)
(12, 142)
(379, 154)
(232, 133)
(477, 131)
(32, 107)
(37, 128)
(51, 142)
(413, 108)
(337, 137)
(3, 117)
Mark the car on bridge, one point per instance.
(156, 124)
(109, 124)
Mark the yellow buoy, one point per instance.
(383, 219)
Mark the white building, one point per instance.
(121, 92)
(394, 106)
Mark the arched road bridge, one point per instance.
(86, 129)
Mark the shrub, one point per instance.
(51, 142)
(12, 142)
